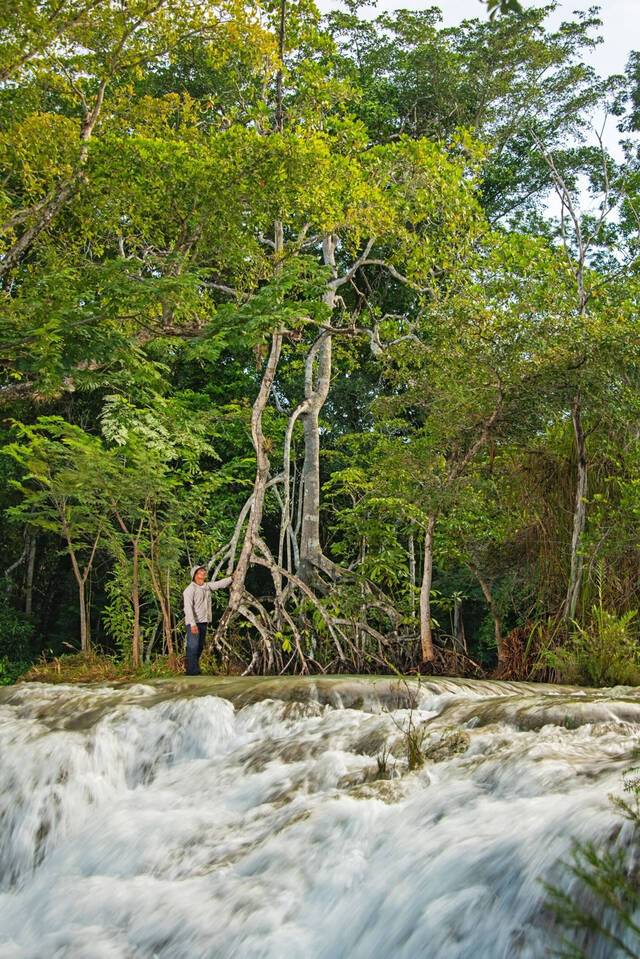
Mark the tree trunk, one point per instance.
(458, 626)
(167, 629)
(81, 579)
(310, 550)
(252, 532)
(426, 636)
(493, 609)
(28, 588)
(412, 572)
(457, 469)
(151, 641)
(135, 600)
(579, 515)
(136, 642)
(85, 643)
(316, 392)
(259, 487)
(155, 574)
(163, 603)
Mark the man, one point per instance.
(197, 614)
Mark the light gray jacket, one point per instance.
(197, 599)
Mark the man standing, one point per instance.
(197, 614)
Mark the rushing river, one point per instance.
(277, 818)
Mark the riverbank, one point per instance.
(93, 667)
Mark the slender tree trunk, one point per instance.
(316, 393)
(151, 641)
(170, 620)
(81, 579)
(155, 575)
(310, 549)
(21, 558)
(136, 642)
(577, 256)
(136, 649)
(165, 609)
(458, 625)
(167, 628)
(426, 636)
(493, 609)
(28, 588)
(579, 515)
(412, 572)
(457, 469)
(84, 617)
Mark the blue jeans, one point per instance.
(195, 645)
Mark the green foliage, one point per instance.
(16, 632)
(385, 768)
(503, 7)
(146, 175)
(605, 652)
(598, 916)
(415, 738)
(16, 641)
(11, 670)
(117, 613)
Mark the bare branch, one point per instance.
(394, 273)
(341, 280)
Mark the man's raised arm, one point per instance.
(220, 583)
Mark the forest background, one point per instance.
(346, 306)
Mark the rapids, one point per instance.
(217, 818)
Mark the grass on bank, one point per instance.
(92, 667)
(99, 667)
(605, 652)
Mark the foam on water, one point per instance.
(248, 819)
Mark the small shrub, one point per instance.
(415, 737)
(597, 914)
(385, 768)
(604, 653)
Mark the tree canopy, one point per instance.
(343, 307)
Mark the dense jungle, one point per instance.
(341, 305)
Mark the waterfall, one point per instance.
(274, 818)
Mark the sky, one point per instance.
(620, 31)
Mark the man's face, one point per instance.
(200, 577)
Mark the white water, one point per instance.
(245, 818)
